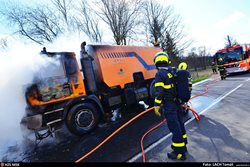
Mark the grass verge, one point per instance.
(202, 77)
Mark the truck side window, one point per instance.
(71, 68)
(70, 65)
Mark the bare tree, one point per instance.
(198, 58)
(155, 20)
(38, 24)
(121, 17)
(44, 23)
(63, 7)
(165, 28)
(88, 22)
(192, 59)
(230, 41)
(203, 57)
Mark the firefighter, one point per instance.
(214, 68)
(222, 69)
(184, 66)
(166, 103)
(183, 72)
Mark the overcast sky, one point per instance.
(207, 22)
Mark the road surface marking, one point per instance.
(198, 83)
(215, 102)
(133, 159)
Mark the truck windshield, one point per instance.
(53, 68)
(52, 80)
(229, 56)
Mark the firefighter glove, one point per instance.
(157, 110)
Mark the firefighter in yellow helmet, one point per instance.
(184, 66)
(184, 88)
(165, 103)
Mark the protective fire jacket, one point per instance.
(183, 85)
(164, 86)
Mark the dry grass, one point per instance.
(201, 73)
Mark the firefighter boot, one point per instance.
(173, 155)
(185, 149)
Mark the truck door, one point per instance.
(74, 75)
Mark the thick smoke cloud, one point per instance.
(19, 64)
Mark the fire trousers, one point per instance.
(174, 116)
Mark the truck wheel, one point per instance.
(82, 118)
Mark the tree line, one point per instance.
(126, 20)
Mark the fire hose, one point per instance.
(155, 127)
(196, 115)
(115, 132)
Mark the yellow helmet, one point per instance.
(183, 66)
(161, 57)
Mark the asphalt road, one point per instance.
(222, 135)
(125, 145)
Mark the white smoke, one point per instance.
(19, 63)
(69, 42)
